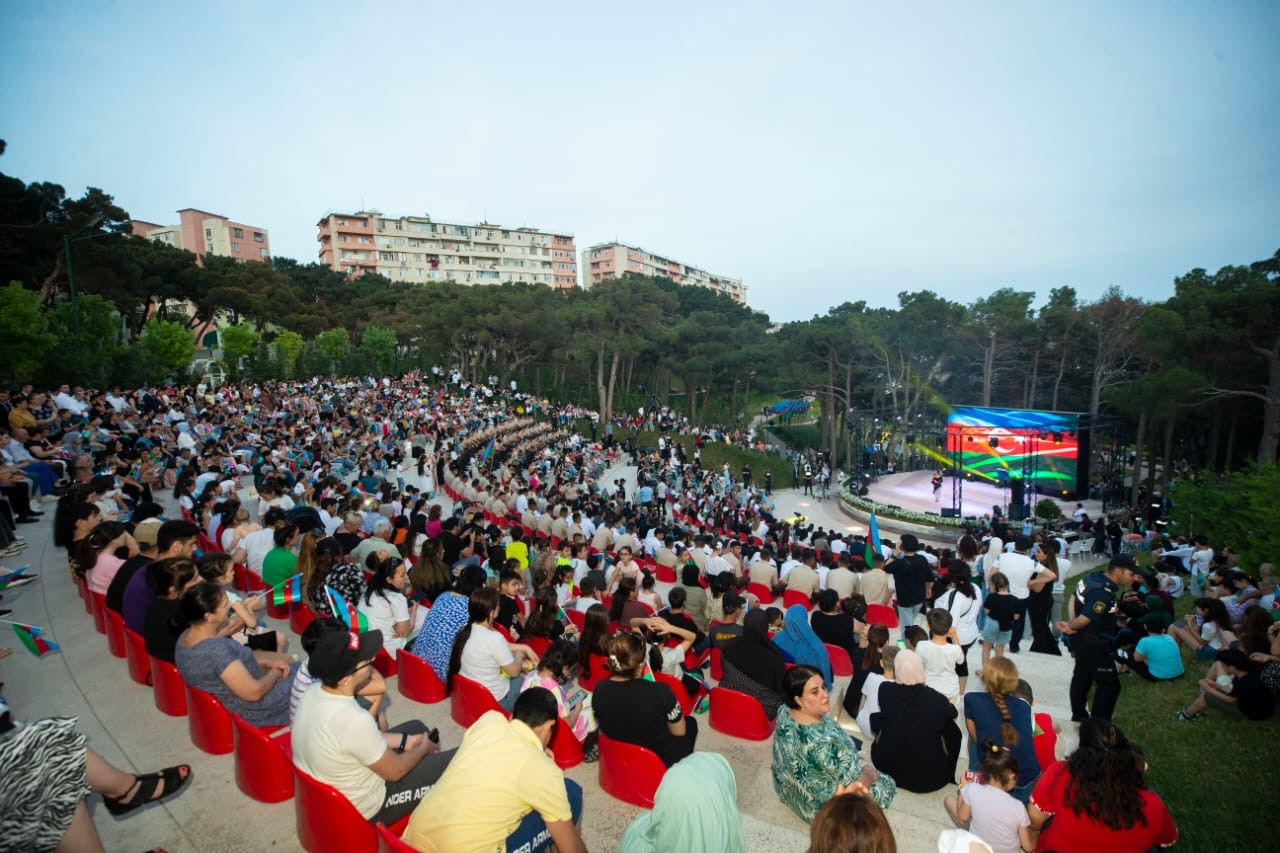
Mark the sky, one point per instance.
(821, 152)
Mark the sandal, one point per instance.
(144, 790)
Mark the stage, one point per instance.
(912, 491)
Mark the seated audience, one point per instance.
(1156, 656)
(851, 822)
(385, 607)
(917, 741)
(755, 665)
(447, 616)
(632, 709)
(482, 654)
(168, 578)
(555, 673)
(695, 810)
(1235, 687)
(986, 807)
(999, 716)
(813, 758)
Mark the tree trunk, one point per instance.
(1215, 436)
(1150, 479)
(1029, 395)
(1057, 381)
(988, 368)
(613, 381)
(1228, 460)
(1137, 459)
(1168, 456)
(1271, 412)
(600, 389)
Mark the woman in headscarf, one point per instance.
(754, 665)
(694, 810)
(801, 645)
(917, 740)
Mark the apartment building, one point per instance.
(418, 249)
(207, 233)
(613, 260)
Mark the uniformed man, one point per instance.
(1093, 627)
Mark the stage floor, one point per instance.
(912, 491)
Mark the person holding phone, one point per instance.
(557, 672)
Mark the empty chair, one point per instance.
(115, 631)
(209, 722)
(841, 663)
(171, 690)
(135, 653)
(470, 701)
(739, 715)
(417, 680)
(630, 772)
(882, 614)
(264, 764)
(665, 574)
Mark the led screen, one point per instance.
(1019, 442)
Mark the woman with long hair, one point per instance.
(1000, 716)
(813, 758)
(1040, 600)
(435, 520)
(484, 655)
(877, 639)
(321, 565)
(385, 607)
(593, 644)
(448, 615)
(1213, 632)
(624, 606)
(544, 619)
(851, 823)
(96, 560)
(962, 599)
(1099, 799)
(632, 709)
(556, 672)
(430, 576)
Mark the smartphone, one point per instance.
(578, 696)
(902, 644)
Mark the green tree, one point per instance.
(238, 342)
(168, 346)
(378, 344)
(1237, 512)
(335, 345)
(87, 360)
(288, 346)
(24, 333)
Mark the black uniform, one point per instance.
(1094, 648)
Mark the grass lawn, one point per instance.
(1215, 774)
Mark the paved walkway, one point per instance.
(121, 722)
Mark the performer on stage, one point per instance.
(937, 485)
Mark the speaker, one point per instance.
(950, 512)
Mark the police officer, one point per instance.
(1092, 628)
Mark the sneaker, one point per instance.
(48, 498)
(4, 612)
(1185, 717)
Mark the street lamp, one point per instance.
(71, 278)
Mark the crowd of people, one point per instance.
(580, 600)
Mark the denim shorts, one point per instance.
(992, 634)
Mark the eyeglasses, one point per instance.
(364, 665)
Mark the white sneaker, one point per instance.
(48, 499)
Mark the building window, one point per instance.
(235, 247)
(208, 233)
(237, 232)
(257, 236)
(263, 253)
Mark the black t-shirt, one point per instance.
(682, 620)
(348, 541)
(834, 628)
(910, 574)
(508, 607)
(1254, 698)
(452, 544)
(639, 711)
(1001, 608)
(158, 629)
(115, 590)
(725, 632)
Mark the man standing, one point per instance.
(1092, 628)
(502, 791)
(911, 578)
(335, 740)
(1018, 567)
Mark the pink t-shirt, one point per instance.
(103, 571)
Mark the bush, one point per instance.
(1048, 509)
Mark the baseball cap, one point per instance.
(1124, 561)
(731, 601)
(145, 532)
(334, 658)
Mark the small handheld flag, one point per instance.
(345, 610)
(36, 644)
(873, 540)
(9, 578)
(289, 591)
(488, 449)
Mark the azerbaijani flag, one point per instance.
(5, 580)
(488, 449)
(345, 610)
(873, 541)
(36, 644)
(289, 591)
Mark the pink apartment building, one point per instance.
(207, 233)
(613, 260)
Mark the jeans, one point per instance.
(531, 835)
(907, 615)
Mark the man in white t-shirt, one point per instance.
(257, 544)
(1018, 567)
(382, 774)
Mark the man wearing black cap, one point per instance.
(1092, 628)
(383, 774)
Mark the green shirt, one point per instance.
(277, 566)
(809, 761)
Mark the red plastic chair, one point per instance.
(470, 701)
(577, 617)
(792, 597)
(83, 586)
(841, 663)
(326, 821)
(717, 668)
(389, 840)
(209, 723)
(665, 574)
(280, 611)
(417, 680)
(596, 674)
(171, 690)
(115, 631)
(264, 764)
(761, 592)
(677, 687)
(98, 607)
(300, 617)
(135, 653)
(384, 663)
(506, 635)
(882, 614)
(565, 747)
(538, 644)
(739, 715)
(630, 772)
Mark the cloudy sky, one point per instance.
(821, 152)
